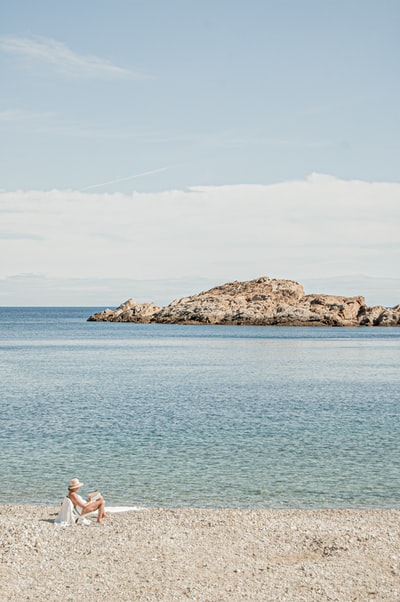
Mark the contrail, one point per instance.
(138, 175)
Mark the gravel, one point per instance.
(204, 555)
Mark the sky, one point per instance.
(156, 149)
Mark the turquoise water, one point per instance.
(173, 416)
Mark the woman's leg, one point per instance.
(98, 505)
(102, 512)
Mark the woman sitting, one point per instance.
(85, 507)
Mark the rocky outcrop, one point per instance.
(253, 302)
(379, 316)
(130, 311)
(264, 301)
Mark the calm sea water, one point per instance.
(207, 416)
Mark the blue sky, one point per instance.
(153, 149)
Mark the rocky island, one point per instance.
(262, 302)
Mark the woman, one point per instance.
(84, 507)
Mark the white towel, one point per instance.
(66, 516)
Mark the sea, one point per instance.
(177, 416)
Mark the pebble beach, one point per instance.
(204, 555)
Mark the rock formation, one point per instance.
(264, 301)
(130, 311)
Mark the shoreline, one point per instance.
(134, 507)
(159, 554)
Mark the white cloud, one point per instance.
(319, 227)
(61, 58)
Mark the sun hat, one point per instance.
(74, 484)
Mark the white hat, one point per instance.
(74, 484)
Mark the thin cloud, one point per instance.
(61, 58)
(49, 122)
(12, 115)
(138, 175)
(19, 236)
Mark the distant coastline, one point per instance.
(261, 302)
